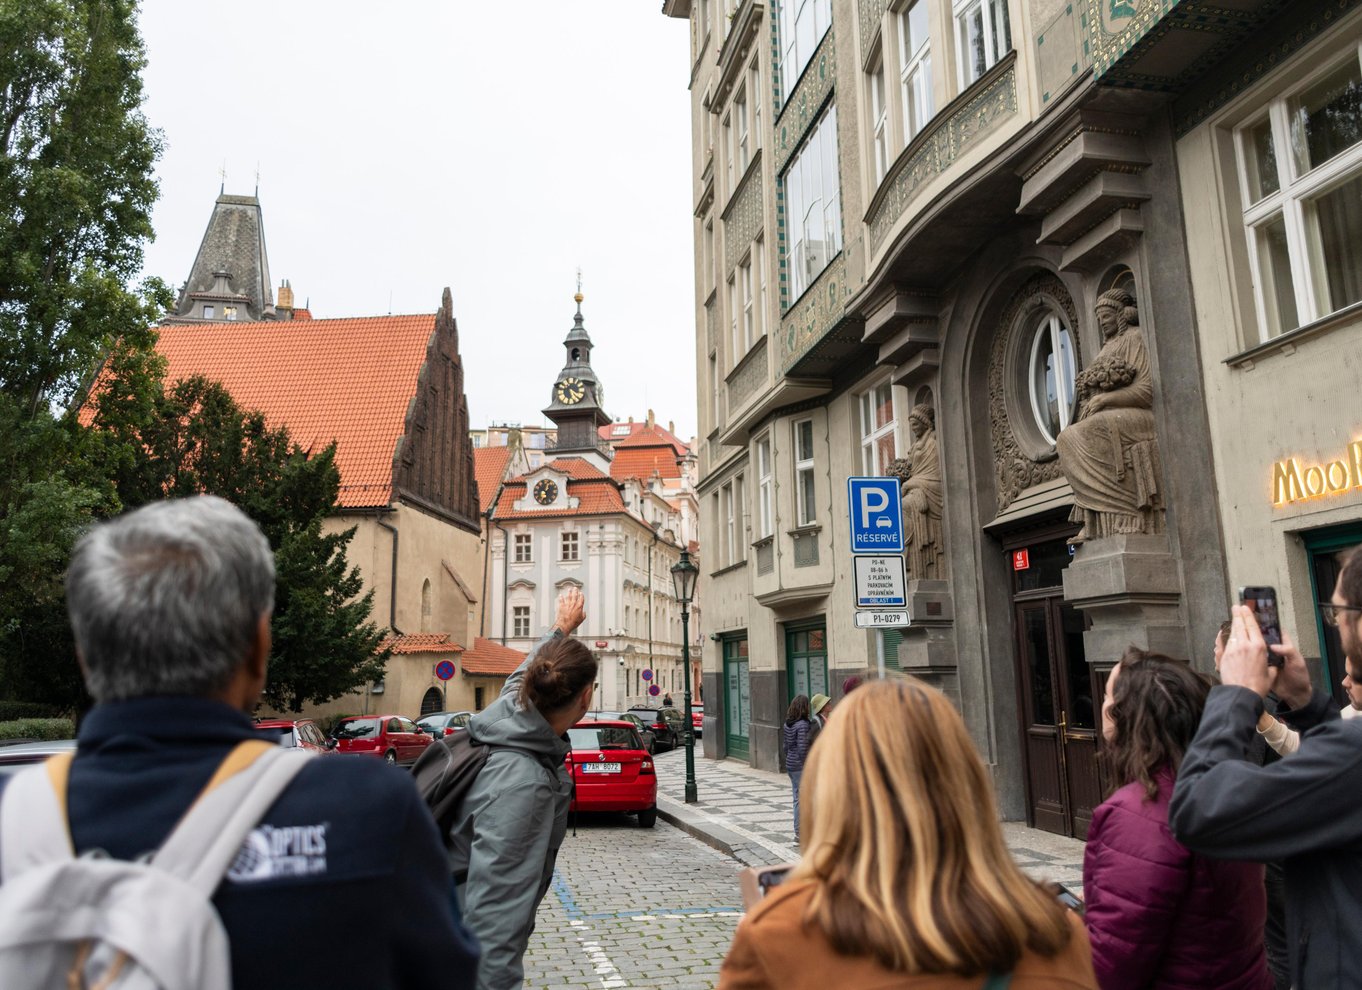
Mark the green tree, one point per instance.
(193, 438)
(76, 191)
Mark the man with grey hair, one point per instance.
(171, 609)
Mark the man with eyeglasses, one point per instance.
(1305, 810)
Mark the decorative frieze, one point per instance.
(815, 313)
(813, 90)
(743, 218)
(749, 377)
(949, 136)
(871, 13)
(1116, 26)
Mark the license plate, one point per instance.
(600, 768)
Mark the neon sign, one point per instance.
(1293, 483)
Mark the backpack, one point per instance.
(444, 774)
(94, 922)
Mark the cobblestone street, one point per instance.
(633, 907)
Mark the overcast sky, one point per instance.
(490, 147)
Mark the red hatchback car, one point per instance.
(611, 770)
(300, 733)
(390, 737)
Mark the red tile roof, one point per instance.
(489, 464)
(422, 643)
(306, 375)
(487, 657)
(641, 435)
(596, 493)
(641, 462)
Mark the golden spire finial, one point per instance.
(579, 297)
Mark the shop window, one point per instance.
(878, 428)
(813, 210)
(1051, 374)
(983, 35)
(1300, 169)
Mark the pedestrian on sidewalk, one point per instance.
(906, 880)
(819, 712)
(796, 735)
(505, 838)
(1158, 915)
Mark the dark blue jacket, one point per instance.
(796, 739)
(360, 892)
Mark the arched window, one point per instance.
(425, 606)
(432, 702)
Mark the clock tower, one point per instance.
(577, 399)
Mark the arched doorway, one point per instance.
(433, 702)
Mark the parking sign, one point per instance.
(876, 515)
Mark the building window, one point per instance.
(714, 389)
(983, 34)
(878, 445)
(522, 548)
(730, 525)
(745, 300)
(915, 67)
(208, 312)
(1050, 376)
(813, 211)
(570, 546)
(735, 349)
(1301, 173)
(803, 473)
(802, 26)
(743, 136)
(739, 520)
(426, 608)
(765, 517)
(479, 698)
(759, 262)
(707, 257)
(757, 98)
(729, 152)
(879, 113)
(229, 312)
(520, 621)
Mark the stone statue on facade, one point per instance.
(1110, 452)
(920, 487)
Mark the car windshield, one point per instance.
(354, 728)
(601, 737)
(648, 714)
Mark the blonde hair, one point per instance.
(903, 843)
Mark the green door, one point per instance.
(737, 696)
(806, 659)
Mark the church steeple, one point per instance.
(576, 402)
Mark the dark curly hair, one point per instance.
(1156, 708)
(562, 669)
(799, 708)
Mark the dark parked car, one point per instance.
(444, 723)
(644, 728)
(667, 724)
(293, 733)
(389, 737)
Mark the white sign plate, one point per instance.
(882, 619)
(880, 581)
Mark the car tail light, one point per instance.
(449, 730)
(646, 767)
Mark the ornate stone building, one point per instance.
(983, 208)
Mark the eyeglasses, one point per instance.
(1333, 613)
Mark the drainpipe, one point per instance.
(486, 556)
(392, 598)
(652, 663)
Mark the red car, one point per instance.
(697, 718)
(390, 737)
(300, 733)
(611, 770)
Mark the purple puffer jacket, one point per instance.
(1159, 915)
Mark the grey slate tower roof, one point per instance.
(234, 246)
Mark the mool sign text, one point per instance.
(1293, 483)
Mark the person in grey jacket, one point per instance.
(796, 737)
(1303, 810)
(504, 842)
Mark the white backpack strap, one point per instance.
(33, 829)
(208, 838)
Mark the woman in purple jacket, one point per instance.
(796, 737)
(1158, 915)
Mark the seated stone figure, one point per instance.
(1110, 453)
(920, 483)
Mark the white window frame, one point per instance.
(728, 149)
(759, 262)
(879, 120)
(994, 47)
(520, 621)
(813, 206)
(208, 312)
(742, 136)
(871, 432)
(1292, 201)
(756, 96)
(735, 350)
(1051, 328)
(745, 299)
(766, 523)
(730, 533)
(915, 75)
(570, 540)
(802, 24)
(806, 511)
(523, 545)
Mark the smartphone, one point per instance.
(1263, 600)
(756, 881)
(1067, 897)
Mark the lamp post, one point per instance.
(684, 573)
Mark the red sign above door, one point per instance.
(1021, 560)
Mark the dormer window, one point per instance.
(229, 312)
(208, 312)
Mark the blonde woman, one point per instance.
(905, 881)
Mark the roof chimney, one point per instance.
(285, 296)
(671, 426)
(650, 419)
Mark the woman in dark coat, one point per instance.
(1159, 915)
(796, 736)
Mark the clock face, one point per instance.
(545, 492)
(570, 391)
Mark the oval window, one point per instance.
(1051, 376)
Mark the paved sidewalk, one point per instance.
(746, 813)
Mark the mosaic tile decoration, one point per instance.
(743, 218)
(815, 312)
(806, 102)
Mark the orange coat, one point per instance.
(773, 950)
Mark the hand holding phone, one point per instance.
(1262, 599)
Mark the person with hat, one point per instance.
(817, 705)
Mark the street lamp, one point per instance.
(684, 573)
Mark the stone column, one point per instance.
(1129, 586)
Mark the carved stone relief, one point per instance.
(921, 489)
